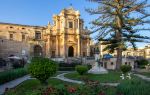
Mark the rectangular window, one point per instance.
(37, 35)
(23, 37)
(112, 63)
(70, 24)
(11, 36)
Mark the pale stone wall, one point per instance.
(129, 52)
(111, 63)
(15, 44)
(147, 51)
(8, 47)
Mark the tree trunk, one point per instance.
(119, 38)
(119, 58)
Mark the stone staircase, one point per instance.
(74, 60)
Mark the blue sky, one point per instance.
(39, 12)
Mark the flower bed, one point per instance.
(58, 87)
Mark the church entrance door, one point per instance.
(70, 51)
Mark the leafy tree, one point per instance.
(119, 24)
(42, 68)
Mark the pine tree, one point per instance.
(120, 23)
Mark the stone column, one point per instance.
(79, 46)
(79, 39)
(64, 38)
(88, 47)
(49, 46)
(78, 26)
(65, 46)
(57, 43)
(58, 46)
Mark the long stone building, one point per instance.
(66, 37)
(130, 52)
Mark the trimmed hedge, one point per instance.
(81, 69)
(7, 76)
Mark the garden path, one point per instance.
(61, 77)
(13, 83)
(142, 77)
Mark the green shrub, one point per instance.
(7, 76)
(125, 68)
(81, 69)
(141, 63)
(141, 66)
(42, 68)
(133, 87)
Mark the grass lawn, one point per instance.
(25, 88)
(111, 77)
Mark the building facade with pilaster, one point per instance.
(66, 37)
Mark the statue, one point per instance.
(97, 69)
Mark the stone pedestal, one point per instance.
(96, 69)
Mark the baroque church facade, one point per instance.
(66, 37)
